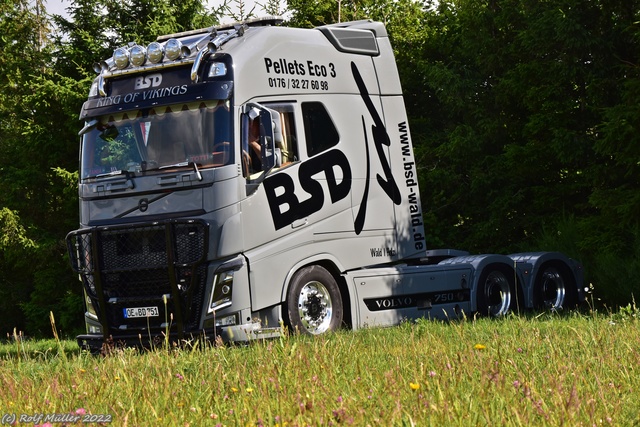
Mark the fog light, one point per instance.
(227, 321)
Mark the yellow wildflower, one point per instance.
(479, 346)
(414, 386)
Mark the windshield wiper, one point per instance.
(127, 173)
(194, 165)
(116, 173)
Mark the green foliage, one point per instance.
(615, 274)
(12, 233)
(529, 115)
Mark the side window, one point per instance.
(319, 130)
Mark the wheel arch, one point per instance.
(531, 264)
(482, 264)
(334, 267)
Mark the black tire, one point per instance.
(314, 302)
(553, 289)
(496, 294)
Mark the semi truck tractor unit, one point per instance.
(241, 177)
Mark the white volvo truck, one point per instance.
(238, 178)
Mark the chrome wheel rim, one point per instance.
(553, 289)
(315, 307)
(497, 292)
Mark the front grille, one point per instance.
(161, 264)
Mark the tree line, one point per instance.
(524, 116)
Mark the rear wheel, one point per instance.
(550, 291)
(495, 293)
(314, 303)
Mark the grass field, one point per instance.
(549, 370)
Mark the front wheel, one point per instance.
(314, 303)
(495, 293)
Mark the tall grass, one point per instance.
(544, 371)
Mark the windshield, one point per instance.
(142, 140)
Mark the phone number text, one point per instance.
(303, 84)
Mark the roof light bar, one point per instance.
(160, 53)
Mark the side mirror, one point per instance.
(270, 133)
(270, 138)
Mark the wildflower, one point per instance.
(249, 390)
(516, 384)
(479, 346)
(519, 350)
(339, 399)
(233, 389)
(81, 411)
(82, 371)
(432, 374)
(414, 386)
(180, 377)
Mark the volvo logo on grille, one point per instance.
(143, 205)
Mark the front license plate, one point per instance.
(130, 313)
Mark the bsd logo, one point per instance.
(285, 205)
(145, 82)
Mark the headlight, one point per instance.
(222, 290)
